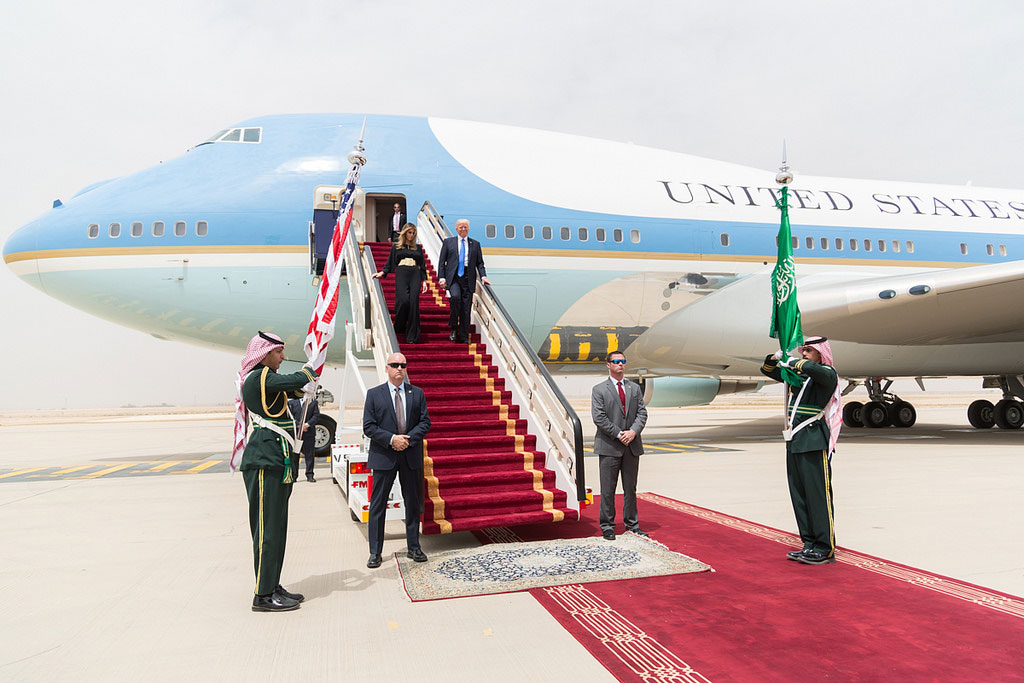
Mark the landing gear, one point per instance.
(324, 431)
(1007, 413)
(883, 410)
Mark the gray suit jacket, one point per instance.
(606, 409)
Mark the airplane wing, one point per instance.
(977, 304)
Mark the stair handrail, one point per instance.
(525, 366)
(383, 337)
(358, 292)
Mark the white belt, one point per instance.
(259, 421)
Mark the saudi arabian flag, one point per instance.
(785, 312)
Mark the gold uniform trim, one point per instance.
(433, 492)
(259, 563)
(263, 396)
(828, 502)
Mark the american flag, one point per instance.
(321, 325)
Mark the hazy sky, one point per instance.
(921, 91)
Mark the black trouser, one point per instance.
(810, 489)
(407, 302)
(461, 303)
(411, 481)
(308, 452)
(268, 522)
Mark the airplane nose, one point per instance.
(20, 251)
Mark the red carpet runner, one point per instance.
(480, 464)
(760, 617)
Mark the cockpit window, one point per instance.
(250, 135)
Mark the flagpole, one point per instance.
(356, 157)
(785, 312)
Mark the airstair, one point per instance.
(504, 447)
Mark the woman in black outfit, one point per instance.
(407, 263)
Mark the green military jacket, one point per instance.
(266, 393)
(823, 378)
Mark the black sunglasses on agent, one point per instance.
(397, 365)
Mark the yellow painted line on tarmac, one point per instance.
(68, 470)
(200, 468)
(115, 468)
(680, 445)
(661, 448)
(163, 466)
(15, 473)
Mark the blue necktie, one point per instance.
(462, 257)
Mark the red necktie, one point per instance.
(622, 397)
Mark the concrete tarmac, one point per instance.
(150, 578)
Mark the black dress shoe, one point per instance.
(639, 532)
(816, 557)
(297, 597)
(311, 479)
(373, 562)
(275, 602)
(608, 534)
(795, 554)
(451, 336)
(416, 555)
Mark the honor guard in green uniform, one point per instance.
(813, 427)
(266, 462)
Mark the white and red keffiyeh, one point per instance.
(834, 408)
(259, 346)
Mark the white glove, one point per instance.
(309, 391)
(787, 362)
(778, 354)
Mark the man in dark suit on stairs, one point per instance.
(395, 419)
(460, 261)
(617, 406)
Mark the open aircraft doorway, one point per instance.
(380, 212)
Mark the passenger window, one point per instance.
(796, 242)
(599, 234)
(617, 234)
(896, 246)
(990, 250)
(564, 233)
(824, 243)
(634, 236)
(1002, 250)
(810, 242)
(583, 234)
(867, 245)
(724, 237)
(252, 135)
(115, 230)
(234, 136)
(136, 229)
(94, 230)
(202, 228)
(510, 232)
(528, 232)
(963, 248)
(910, 247)
(491, 230)
(158, 228)
(853, 244)
(839, 244)
(881, 245)
(545, 232)
(179, 228)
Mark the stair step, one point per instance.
(448, 445)
(490, 521)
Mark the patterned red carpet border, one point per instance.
(940, 584)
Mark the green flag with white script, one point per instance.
(785, 311)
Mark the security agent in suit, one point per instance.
(395, 420)
(307, 434)
(617, 406)
(460, 261)
(397, 222)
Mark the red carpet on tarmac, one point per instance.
(761, 617)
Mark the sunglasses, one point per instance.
(618, 361)
(396, 366)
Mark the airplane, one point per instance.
(592, 246)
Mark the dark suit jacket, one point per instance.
(606, 409)
(312, 413)
(379, 425)
(448, 261)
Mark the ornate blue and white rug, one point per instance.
(508, 567)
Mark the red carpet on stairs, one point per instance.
(481, 465)
(760, 617)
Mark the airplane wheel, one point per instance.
(324, 435)
(853, 415)
(903, 414)
(875, 414)
(1009, 414)
(981, 414)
